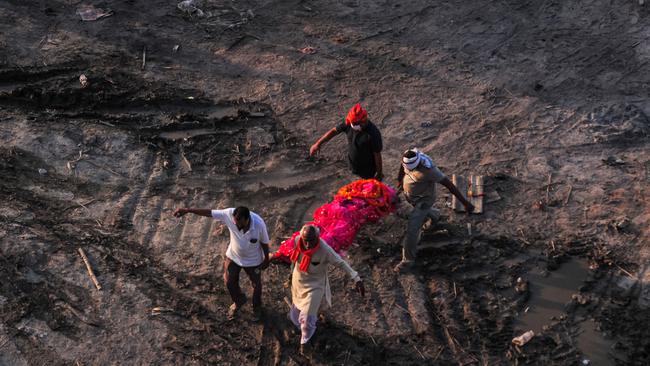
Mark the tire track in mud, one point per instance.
(416, 300)
(122, 215)
(393, 304)
(452, 330)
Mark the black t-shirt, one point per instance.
(361, 148)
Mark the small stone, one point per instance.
(83, 80)
(42, 171)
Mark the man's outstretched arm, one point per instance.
(197, 211)
(326, 137)
(454, 190)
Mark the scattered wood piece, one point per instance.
(187, 162)
(161, 310)
(347, 356)
(89, 268)
(4, 342)
(473, 189)
(548, 186)
(508, 131)
(461, 184)
(78, 314)
(624, 271)
(418, 351)
(402, 308)
(390, 306)
(523, 237)
(568, 195)
(408, 291)
(475, 192)
(144, 57)
(439, 353)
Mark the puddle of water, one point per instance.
(548, 298)
(549, 295)
(593, 345)
(185, 134)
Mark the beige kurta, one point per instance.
(307, 289)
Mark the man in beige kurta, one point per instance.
(309, 281)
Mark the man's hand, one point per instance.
(360, 288)
(180, 212)
(314, 149)
(265, 263)
(469, 208)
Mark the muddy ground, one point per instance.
(547, 99)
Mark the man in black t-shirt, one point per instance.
(364, 143)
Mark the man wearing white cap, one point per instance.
(309, 282)
(418, 176)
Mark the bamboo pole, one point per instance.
(90, 269)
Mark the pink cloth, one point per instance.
(356, 204)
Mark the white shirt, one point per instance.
(245, 248)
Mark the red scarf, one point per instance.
(306, 254)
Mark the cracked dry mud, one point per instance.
(547, 100)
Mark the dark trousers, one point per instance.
(231, 272)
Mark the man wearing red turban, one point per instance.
(364, 143)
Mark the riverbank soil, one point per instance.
(216, 105)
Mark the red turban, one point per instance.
(356, 114)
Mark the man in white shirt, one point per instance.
(248, 249)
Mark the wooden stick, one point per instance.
(144, 57)
(187, 162)
(421, 355)
(402, 308)
(90, 269)
(548, 186)
(568, 195)
(624, 271)
(439, 353)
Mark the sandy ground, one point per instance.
(547, 99)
